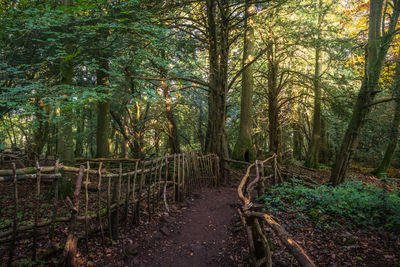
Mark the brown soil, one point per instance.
(202, 235)
(202, 231)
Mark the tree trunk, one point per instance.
(391, 148)
(297, 142)
(312, 159)
(244, 149)
(216, 140)
(173, 141)
(65, 133)
(80, 128)
(41, 132)
(103, 114)
(273, 104)
(377, 48)
(394, 130)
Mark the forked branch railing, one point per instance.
(137, 188)
(253, 218)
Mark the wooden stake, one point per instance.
(165, 184)
(72, 240)
(179, 178)
(134, 191)
(153, 185)
(148, 191)
(15, 219)
(127, 197)
(276, 179)
(99, 203)
(55, 202)
(115, 225)
(183, 176)
(142, 181)
(173, 180)
(87, 205)
(36, 211)
(159, 179)
(109, 207)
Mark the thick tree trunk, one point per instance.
(391, 148)
(80, 128)
(273, 104)
(312, 159)
(173, 141)
(41, 132)
(216, 141)
(394, 129)
(65, 138)
(244, 149)
(274, 127)
(297, 142)
(200, 133)
(103, 114)
(325, 150)
(377, 48)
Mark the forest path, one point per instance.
(199, 233)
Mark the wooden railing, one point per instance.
(253, 220)
(133, 191)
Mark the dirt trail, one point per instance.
(199, 233)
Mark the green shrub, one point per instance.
(361, 204)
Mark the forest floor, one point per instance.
(205, 230)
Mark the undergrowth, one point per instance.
(359, 204)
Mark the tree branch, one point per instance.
(245, 67)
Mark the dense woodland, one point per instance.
(312, 81)
(316, 82)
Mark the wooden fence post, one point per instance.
(36, 211)
(142, 180)
(134, 191)
(109, 206)
(72, 240)
(87, 205)
(127, 197)
(99, 203)
(179, 178)
(165, 185)
(174, 186)
(159, 180)
(15, 217)
(55, 202)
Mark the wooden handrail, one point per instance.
(294, 248)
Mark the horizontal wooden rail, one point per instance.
(246, 213)
(137, 192)
(237, 161)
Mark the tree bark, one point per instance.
(394, 129)
(297, 142)
(41, 132)
(315, 143)
(80, 128)
(173, 141)
(244, 149)
(378, 45)
(65, 133)
(273, 103)
(216, 139)
(103, 114)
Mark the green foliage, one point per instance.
(360, 204)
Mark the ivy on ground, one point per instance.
(357, 203)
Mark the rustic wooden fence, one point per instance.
(112, 192)
(253, 219)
